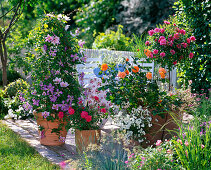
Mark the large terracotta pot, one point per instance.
(83, 138)
(163, 128)
(46, 135)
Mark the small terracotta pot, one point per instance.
(46, 135)
(83, 138)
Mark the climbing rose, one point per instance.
(192, 38)
(155, 51)
(191, 55)
(96, 98)
(172, 52)
(162, 54)
(103, 110)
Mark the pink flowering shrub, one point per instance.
(170, 44)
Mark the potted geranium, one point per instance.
(139, 99)
(170, 45)
(55, 86)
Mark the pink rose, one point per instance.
(84, 114)
(176, 36)
(151, 32)
(182, 31)
(202, 146)
(71, 111)
(192, 38)
(184, 45)
(103, 110)
(162, 30)
(178, 46)
(175, 62)
(157, 29)
(158, 143)
(174, 24)
(188, 40)
(126, 162)
(147, 43)
(163, 42)
(88, 118)
(166, 22)
(162, 54)
(96, 98)
(155, 51)
(191, 55)
(61, 115)
(172, 52)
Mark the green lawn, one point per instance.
(15, 153)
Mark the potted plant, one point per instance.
(170, 45)
(55, 86)
(139, 100)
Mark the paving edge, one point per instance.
(41, 149)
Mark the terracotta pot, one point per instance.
(46, 135)
(162, 128)
(83, 138)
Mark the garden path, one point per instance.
(28, 130)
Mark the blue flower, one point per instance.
(121, 67)
(97, 71)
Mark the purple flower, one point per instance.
(57, 72)
(33, 92)
(62, 139)
(45, 47)
(22, 98)
(55, 40)
(41, 84)
(81, 43)
(58, 92)
(53, 98)
(48, 38)
(36, 102)
(50, 88)
(55, 107)
(45, 114)
(60, 63)
(64, 84)
(27, 106)
(70, 98)
(57, 80)
(64, 107)
(44, 93)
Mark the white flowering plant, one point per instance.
(135, 124)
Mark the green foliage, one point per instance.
(112, 40)
(12, 75)
(193, 146)
(96, 16)
(15, 153)
(13, 88)
(3, 107)
(196, 15)
(138, 45)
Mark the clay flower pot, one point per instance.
(46, 137)
(83, 138)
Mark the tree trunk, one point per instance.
(3, 55)
(4, 74)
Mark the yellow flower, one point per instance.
(45, 25)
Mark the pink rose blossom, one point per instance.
(174, 24)
(62, 164)
(188, 40)
(103, 110)
(157, 30)
(182, 31)
(84, 114)
(126, 162)
(143, 158)
(184, 45)
(162, 54)
(166, 22)
(158, 143)
(147, 43)
(178, 46)
(151, 32)
(176, 36)
(172, 52)
(191, 55)
(61, 115)
(192, 38)
(71, 111)
(155, 51)
(163, 42)
(88, 118)
(162, 30)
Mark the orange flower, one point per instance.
(162, 75)
(147, 52)
(121, 74)
(162, 70)
(104, 67)
(160, 101)
(136, 69)
(149, 75)
(127, 72)
(127, 59)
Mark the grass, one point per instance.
(15, 153)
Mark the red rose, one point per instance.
(175, 62)
(88, 118)
(61, 115)
(96, 98)
(71, 111)
(103, 110)
(84, 114)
